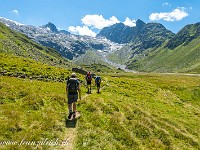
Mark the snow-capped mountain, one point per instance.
(68, 45)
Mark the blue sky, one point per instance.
(87, 17)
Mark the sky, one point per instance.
(88, 17)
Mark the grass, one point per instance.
(182, 59)
(17, 66)
(142, 112)
(133, 111)
(92, 61)
(31, 110)
(121, 56)
(12, 42)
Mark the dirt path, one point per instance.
(71, 131)
(71, 125)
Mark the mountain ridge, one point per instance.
(68, 45)
(12, 42)
(149, 40)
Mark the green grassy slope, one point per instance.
(17, 66)
(15, 43)
(121, 56)
(133, 111)
(90, 57)
(92, 61)
(32, 110)
(181, 59)
(142, 112)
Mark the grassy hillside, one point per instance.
(181, 59)
(90, 57)
(142, 112)
(133, 111)
(92, 61)
(12, 42)
(121, 56)
(18, 66)
(33, 103)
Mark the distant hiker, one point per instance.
(98, 82)
(88, 78)
(73, 91)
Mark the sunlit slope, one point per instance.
(142, 112)
(181, 59)
(12, 42)
(17, 66)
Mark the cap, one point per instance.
(73, 75)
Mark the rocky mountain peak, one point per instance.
(51, 27)
(140, 24)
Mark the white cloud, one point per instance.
(176, 15)
(98, 21)
(130, 22)
(82, 30)
(15, 12)
(166, 4)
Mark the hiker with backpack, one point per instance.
(73, 91)
(88, 79)
(98, 82)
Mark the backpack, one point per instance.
(72, 85)
(97, 79)
(89, 77)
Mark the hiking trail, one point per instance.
(71, 132)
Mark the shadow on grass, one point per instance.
(71, 123)
(89, 92)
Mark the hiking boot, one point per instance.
(74, 114)
(70, 115)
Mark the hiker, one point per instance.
(73, 91)
(98, 82)
(88, 78)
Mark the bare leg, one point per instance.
(74, 107)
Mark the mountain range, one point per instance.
(68, 45)
(153, 48)
(136, 47)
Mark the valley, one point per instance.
(149, 97)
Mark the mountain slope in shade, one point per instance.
(184, 36)
(152, 35)
(118, 33)
(50, 26)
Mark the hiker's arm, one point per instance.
(79, 92)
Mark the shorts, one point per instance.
(98, 84)
(88, 82)
(72, 98)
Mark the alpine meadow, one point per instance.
(149, 95)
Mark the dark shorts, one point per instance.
(72, 98)
(88, 82)
(98, 84)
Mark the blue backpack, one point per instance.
(97, 79)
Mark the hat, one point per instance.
(73, 75)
